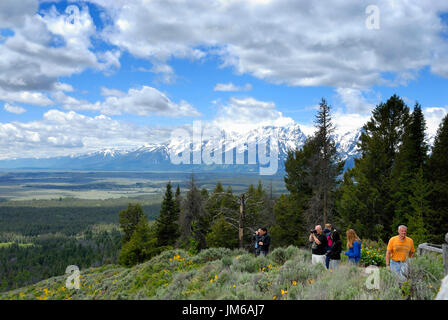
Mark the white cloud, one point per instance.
(14, 109)
(299, 43)
(241, 115)
(347, 122)
(43, 48)
(145, 101)
(60, 133)
(433, 117)
(355, 101)
(13, 12)
(230, 87)
(106, 92)
(26, 97)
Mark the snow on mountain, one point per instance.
(156, 156)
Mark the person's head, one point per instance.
(328, 226)
(351, 237)
(264, 230)
(402, 230)
(335, 236)
(259, 232)
(318, 228)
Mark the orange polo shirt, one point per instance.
(400, 249)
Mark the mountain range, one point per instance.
(158, 156)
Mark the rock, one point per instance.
(443, 293)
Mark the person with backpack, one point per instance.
(327, 233)
(334, 254)
(354, 247)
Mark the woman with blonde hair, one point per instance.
(354, 247)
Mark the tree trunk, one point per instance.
(240, 222)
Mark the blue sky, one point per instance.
(81, 76)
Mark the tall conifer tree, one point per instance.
(437, 220)
(166, 225)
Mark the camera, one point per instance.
(313, 231)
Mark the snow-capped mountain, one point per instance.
(223, 145)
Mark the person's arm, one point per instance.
(316, 239)
(349, 253)
(387, 258)
(411, 253)
(388, 252)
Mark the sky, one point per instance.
(80, 76)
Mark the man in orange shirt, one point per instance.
(399, 249)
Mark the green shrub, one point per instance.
(281, 255)
(372, 256)
(235, 275)
(211, 254)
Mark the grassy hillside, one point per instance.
(286, 273)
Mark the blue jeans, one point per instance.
(399, 268)
(353, 261)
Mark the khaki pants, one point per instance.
(316, 258)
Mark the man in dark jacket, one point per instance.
(264, 242)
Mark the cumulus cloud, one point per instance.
(61, 133)
(230, 87)
(245, 114)
(144, 101)
(26, 97)
(14, 109)
(43, 48)
(433, 117)
(13, 12)
(354, 101)
(298, 43)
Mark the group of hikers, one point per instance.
(326, 248)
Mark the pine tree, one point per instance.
(325, 167)
(412, 156)
(222, 235)
(167, 229)
(289, 227)
(437, 220)
(223, 204)
(253, 209)
(178, 200)
(141, 246)
(129, 219)
(297, 181)
(370, 181)
(194, 220)
(419, 208)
